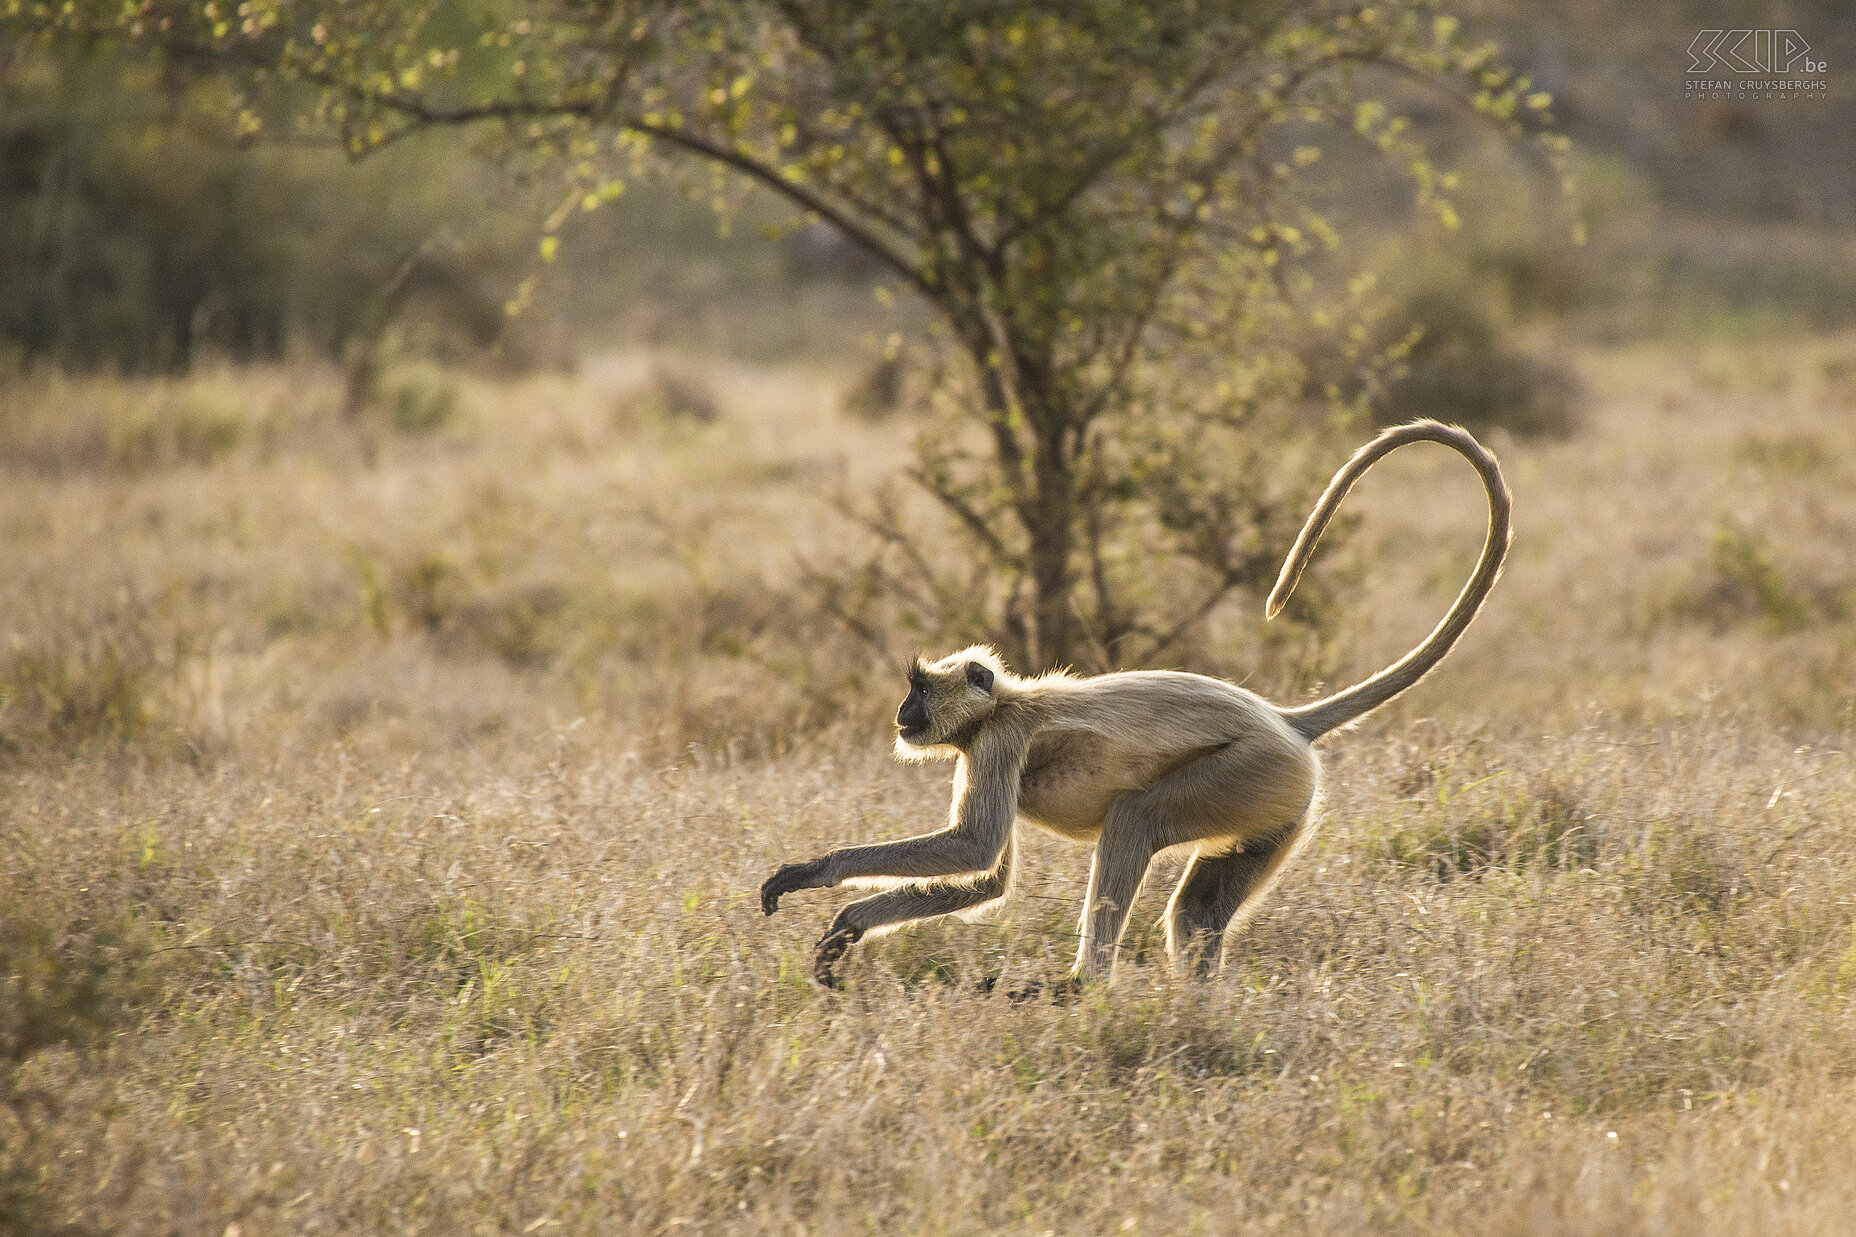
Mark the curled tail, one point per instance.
(1312, 721)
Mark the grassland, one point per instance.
(381, 807)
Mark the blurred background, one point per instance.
(136, 236)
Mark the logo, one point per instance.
(1752, 51)
(1753, 65)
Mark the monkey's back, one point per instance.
(1115, 734)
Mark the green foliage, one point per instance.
(135, 235)
(1108, 207)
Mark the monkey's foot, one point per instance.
(831, 947)
(790, 877)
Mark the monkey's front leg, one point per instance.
(984, 807)
(906, 903)
(899, 905)
(946, 852)
(894, 906)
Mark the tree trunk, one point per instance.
(1044, 501)
(1050, 524)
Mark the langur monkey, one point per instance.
(1133, 763)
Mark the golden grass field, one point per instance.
(381, 814)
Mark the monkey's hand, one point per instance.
(832, 946)
(790, 877)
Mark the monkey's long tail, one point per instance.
(1312, 721)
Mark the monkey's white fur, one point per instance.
(1134, 763)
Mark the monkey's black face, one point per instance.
(912, 717)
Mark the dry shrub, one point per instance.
(889, 386)
(69, 980)
(1543, 824)
(877, 393)
(68, 983)
(1742, 581)
(424, 400)
(670, 396)
(1445, 342)
(191, 425)
(86, 690)
(1800, 454)
(196, 431)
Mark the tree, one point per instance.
(1081, 189)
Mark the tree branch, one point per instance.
(975, 522)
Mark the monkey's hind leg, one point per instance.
(1217, 888)
(905, 903)
(1242, 789)
(1116, 874)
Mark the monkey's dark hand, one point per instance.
(790, 877)
(832, 946)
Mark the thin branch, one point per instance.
(975, 522)
(797, 193)
(594, 109)
(1104, 159)
(826, 587)
(889, 531)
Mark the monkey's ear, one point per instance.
(979, 676)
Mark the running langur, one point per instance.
(1133, 763)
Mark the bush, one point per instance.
(196, 430)
(1742, 582)
(880, 392)
(64, 986)
(1460, 370)
(425, 401)
(133, 237)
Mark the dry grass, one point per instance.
(381, 814)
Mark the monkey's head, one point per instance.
(947, 701)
